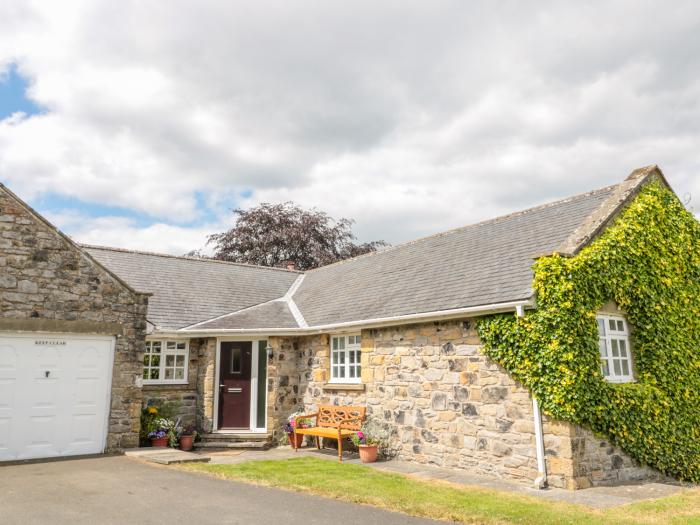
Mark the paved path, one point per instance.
(597, 497)
(119, 490)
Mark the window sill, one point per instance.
(344, 386)
(174, 383)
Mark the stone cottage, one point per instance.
(394, 330)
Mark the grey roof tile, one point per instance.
(476, 265)
(274, 314)
(187, 290)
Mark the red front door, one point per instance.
(234, 384)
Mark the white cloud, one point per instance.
(411, 117)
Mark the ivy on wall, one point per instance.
(648, 262)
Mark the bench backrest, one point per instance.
(331, 415)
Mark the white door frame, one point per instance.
(252, 426)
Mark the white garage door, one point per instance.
(54, 394)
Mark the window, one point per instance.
(165, 362)
(614, 345)
(345, 359)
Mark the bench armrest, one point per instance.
(305, 416)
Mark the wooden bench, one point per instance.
(335, 422)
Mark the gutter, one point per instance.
(365, 323)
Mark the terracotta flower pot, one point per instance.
(159, 442)
(186, 442)
(368, 453)
(299, 439)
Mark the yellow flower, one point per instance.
(152, 410)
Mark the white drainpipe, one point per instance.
(541, 480)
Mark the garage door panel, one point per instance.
(62, 412)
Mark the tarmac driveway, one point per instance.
(108, 490)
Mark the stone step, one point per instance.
(241, 440)
(233, 444)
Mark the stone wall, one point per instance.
(449, 404)
(48, 284)
(184, 397)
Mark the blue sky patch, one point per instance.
(13, 89)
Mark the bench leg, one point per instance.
(294, 445)
(340, 449)
(318, 442)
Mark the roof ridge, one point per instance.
(474, 225)
(186, 258)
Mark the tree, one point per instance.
(280, 234)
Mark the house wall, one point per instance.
(49, 285)
(184, 397)
(448, 403)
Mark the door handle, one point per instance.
(235, 390)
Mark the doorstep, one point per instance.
(165, 455)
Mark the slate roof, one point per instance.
(188, 290)
(274, 314)
(481, 264)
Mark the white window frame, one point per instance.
(351, 351)
(615, 338)
(164, 352)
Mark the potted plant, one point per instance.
(187, 437)
(163, 433)
(159, 438)
(369, 439)
(367, 445)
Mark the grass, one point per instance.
(443, 501)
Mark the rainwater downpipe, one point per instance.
(541, 480)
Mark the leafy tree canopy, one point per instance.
(283, 234)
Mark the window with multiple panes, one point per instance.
(165, 362)
(345, 359)
(614, 345)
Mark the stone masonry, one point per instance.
(448, 403)
(48, 284)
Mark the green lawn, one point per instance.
(438, 500)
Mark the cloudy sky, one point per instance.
(142, 123)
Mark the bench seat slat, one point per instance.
(328, 432)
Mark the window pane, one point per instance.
(341, 371)
(156, 347)
(179, 373)
(620, 326)
(351, 355)
(601, 326)
(181, 346)
(603, 347)
(341, 343)
(170, 345)
(358, 339)
(180, 360)
(341, 358)
(611, 322)
(145, 373)
(168, 373)
(146, 360)
(623, 349)
(605, 368)
(235, 360)
(625, 367)
(155, 373)
(169, 360)
(155, 360)
(351, 372)
(613, 344)
(616, 367)
(335, 343)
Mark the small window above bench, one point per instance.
(345, 359)
(165, 362)
(615, 350)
